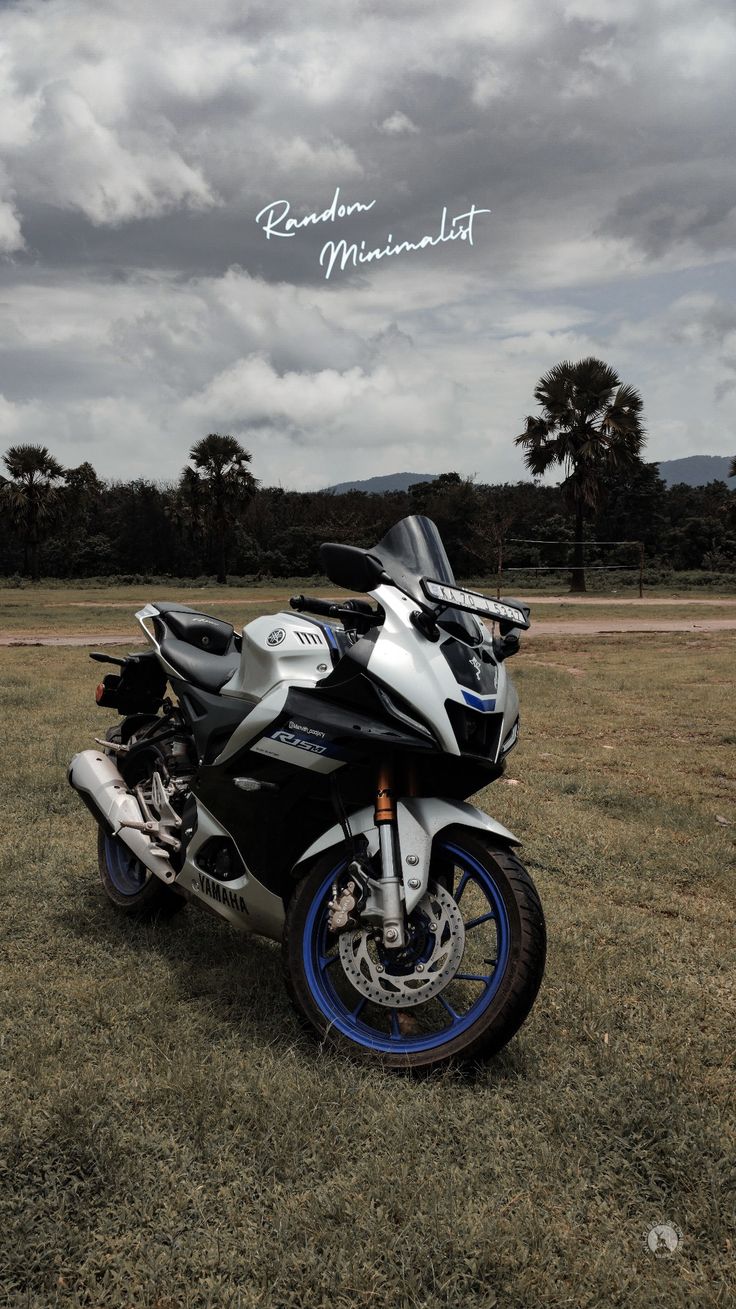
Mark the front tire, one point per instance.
(478, 1010)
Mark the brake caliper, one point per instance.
(341, 906)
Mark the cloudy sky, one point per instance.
(142, 305)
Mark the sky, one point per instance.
(143, 305)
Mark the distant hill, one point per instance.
(693, 470)
(376, 485)
(696, 470)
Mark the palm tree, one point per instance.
(591, 425)
(216, 490)
(30, 496)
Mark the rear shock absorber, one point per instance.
(385, 820)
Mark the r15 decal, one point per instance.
(290, 738)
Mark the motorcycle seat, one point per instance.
(208, 671)
(211, 634)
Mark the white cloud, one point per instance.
(81, 163)
(11, 237)
(332, 157)
(398, 124)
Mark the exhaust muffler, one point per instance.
(100, 785)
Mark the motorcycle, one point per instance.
(308, 780)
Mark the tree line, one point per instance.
(216, 520)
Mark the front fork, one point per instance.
(383, 908)
(388, 843)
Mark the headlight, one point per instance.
(476, 733)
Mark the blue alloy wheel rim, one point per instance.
(127, 874)
(347, 1022)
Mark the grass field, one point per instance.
(170, 1140)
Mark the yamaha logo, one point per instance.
(276, 636)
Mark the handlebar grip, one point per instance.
(306, 605)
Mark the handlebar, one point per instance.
(355, 615)
(305, 604)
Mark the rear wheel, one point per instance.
(128, 885)
(126, 881)
(458, 991)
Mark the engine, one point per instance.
(158, 762)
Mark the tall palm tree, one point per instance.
(30, 496)
(590, 425)
(216, 489)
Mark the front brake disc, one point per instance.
(371, 975)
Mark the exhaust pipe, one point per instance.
(96, 778)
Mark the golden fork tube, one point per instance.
(390, 884)
(385, 811)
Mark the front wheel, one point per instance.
(462, 985)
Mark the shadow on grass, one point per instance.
(242, 974)
(206, 958)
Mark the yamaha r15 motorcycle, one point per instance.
(308, 783)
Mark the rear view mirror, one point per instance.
(351, 568)
(506, 646)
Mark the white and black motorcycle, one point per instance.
(307, 781)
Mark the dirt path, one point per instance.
(263, 597)
(603, 626)
(561, 627)
(634, 601)
(74, 638)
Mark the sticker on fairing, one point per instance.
(293, 748)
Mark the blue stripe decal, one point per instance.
(486, 704)
(324, 628)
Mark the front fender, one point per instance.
(419, 819)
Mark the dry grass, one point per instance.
(170, 1140)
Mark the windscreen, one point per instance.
(412, 550)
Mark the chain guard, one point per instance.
(400, 990)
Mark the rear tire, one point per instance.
(515, 918)
(124, 878)
(151, 899)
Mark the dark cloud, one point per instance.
(695, 207)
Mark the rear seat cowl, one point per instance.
(196, 629)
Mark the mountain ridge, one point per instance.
(380, 485)
(692, 470)
(696, 470)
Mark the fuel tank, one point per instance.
(281, 648)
